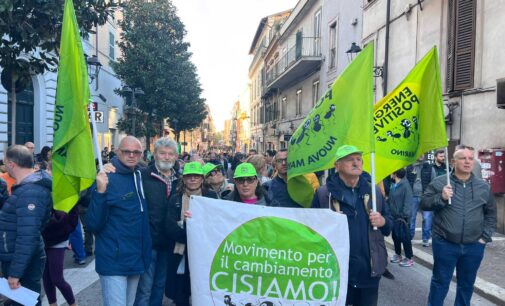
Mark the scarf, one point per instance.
(181, 247)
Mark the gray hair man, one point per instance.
(461, 228)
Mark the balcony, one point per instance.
(301, 59)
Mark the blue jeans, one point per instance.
(77, 242)
(466, 258)
(119, 290)
(152, 282)
(427, 220)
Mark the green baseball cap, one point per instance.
(345, 150)
(192, 168)
(244, 170)
(208, 167)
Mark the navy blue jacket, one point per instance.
(120, 221)
(22, 219)
(277, 191)
(367, 246)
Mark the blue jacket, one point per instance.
(367, 254)
(277, 191)
(120, 221)
(22, 219)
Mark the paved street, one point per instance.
(410, 287)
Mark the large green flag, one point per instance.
(409, 121)
(342, 116)
(73, 159)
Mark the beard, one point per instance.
(164, 165)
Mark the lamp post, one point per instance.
(134, 92)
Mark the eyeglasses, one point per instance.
(282, 161)
(128, 152)
(213, 172)
(243, 180)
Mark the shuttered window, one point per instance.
(460, 44)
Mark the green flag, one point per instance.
(409, 121)
(342, 116)
(73, 159)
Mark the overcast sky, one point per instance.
(221, 33)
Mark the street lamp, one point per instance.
(94, 67)
(352, 50)
(134, 92)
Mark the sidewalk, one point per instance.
(490, 281)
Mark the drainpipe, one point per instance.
(386, 50)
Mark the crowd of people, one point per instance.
(133, 218)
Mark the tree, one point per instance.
(30, 36)
(155, 58)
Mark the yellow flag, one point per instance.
(409, 121)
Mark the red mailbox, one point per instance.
(493, 168)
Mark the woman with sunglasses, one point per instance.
(178, 281)
(215, 180)
(247, 187)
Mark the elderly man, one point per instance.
(461, 228)
(22, 218)
(349, 192)
(118, 217)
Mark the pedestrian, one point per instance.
(477, 167)
(22, 219)
(216, 181)
(247, 187)
(419, 175)
(462, 228)
(350, 193)
(277, 188)
(159, 180)
(258, 161)
(118, 216)
(56, 236)
(105, 155)
(400, 201)
(178, 286)
(439, 163)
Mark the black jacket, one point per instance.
(277, 191)
(157, 194)
(400, 200)
(22, 219)
(368, 255)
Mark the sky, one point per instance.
(220, 33)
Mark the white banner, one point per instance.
(241, 254)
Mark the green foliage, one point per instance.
(155, 58)
(32, 28)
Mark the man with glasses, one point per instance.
(215, 180)
(118, 217)
(348, 192)
(277, 188)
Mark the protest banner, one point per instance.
(243, 254)
(409, 121)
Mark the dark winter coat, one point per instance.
(60, 226)
(471, 214)
(400, 200)
(277, 191)
(368, 255)
(120, 221)
(22, 219)
(157, 193)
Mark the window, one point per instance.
(112, 45)
(460, 44)
(284, 106)
(317, 33)
(315, 92)
(333, 46)
(299, 102)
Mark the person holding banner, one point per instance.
(247, 187)
(348, 192)
(464, 222)
(118, 216)
(178, 286)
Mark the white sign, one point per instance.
(98, 117)
(257, 255)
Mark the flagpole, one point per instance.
(95, 136)
(447, 170)
(374, 190)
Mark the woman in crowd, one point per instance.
(178, 282)
(259, 163)
(216, 181)
(247, 187)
